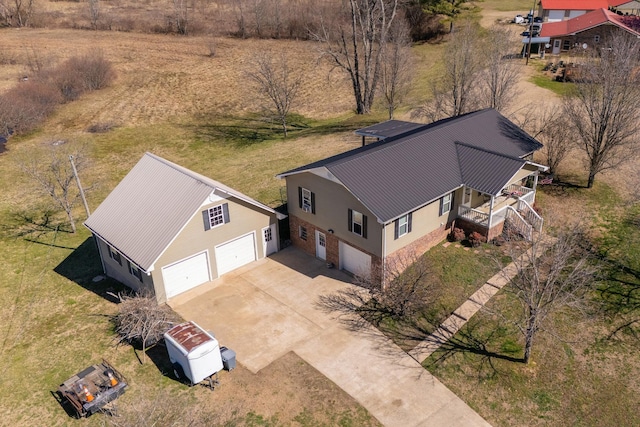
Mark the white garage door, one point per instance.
(354, 261)
(186, 274)
(235, 254)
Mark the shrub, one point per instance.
(457, 235)
(93, 71)
(475, 239)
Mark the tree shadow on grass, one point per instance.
(479, 337)
(250, 130)
(34, 224)
(619, 296)
(83, 265)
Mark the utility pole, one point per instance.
(75, 173)
(530, 33)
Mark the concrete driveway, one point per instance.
(270, 307)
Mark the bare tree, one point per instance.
(94, 13)
(403, 288)
(457, 92)
(276, 82)
(547, 123)
(54, 176)
(181, 16)
(16, 13)
(397, 66)
(140, 320)
(355, 42)
(604, 108)
(554, 273)
(500, 75)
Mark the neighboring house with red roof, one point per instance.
(589, 29)
(562, 10)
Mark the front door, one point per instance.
(556, 46)
(321, 245)
(466, 197)
(269, 243)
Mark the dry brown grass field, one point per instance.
(174, 99)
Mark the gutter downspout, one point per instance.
(384, 255)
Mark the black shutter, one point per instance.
(313, 203)
(206, 220)
(225, 212)
(300, 197)
(350, 219)
(441, 203)
(409, 222)
(364, 226)
(396, 225)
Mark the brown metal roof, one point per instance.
(188, 335)
(398, 175)
(151, 205)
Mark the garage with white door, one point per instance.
(354, 260)
(186, 274)
(235, 253)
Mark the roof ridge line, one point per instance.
(465, 144)
(191, 174)
(389, 142)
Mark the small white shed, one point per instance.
(193, 350)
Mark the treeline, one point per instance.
(277, 19)
(33, 99)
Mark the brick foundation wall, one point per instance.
(333, 242)
(470, 227)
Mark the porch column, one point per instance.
(535, 184)
(491, 212)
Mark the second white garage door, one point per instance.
(353, 260)
(235, 254)
(185, 274)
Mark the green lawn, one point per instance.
(585, 369)
(507, 5)
(455, 273)
(57, 319)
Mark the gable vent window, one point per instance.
(357, 223)
(115, 255)
(306, 200)
(402, 226)
(215, 216)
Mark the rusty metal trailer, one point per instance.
(92, 389)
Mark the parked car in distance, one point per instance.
(518, 19)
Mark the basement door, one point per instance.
(185, 274)
(235, 253)
(321, 245)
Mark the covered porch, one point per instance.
(514, 203)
